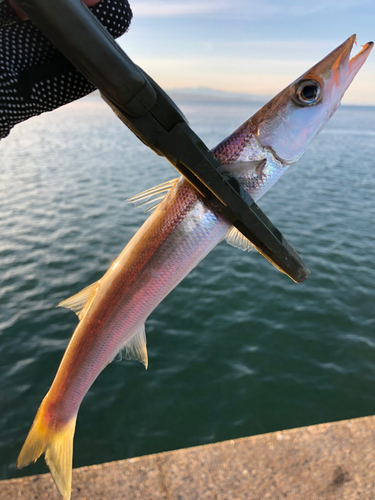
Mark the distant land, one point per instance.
(207, 94)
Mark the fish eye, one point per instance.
(307, 93)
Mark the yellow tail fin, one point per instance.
(57, 445)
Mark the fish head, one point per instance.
(288, 122)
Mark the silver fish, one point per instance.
(181, 231)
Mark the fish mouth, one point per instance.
(356, 62)
(350, 67)
(339, 63)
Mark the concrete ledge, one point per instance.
(327, 461)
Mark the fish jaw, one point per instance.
(289, 122)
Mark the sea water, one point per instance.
(237, 348)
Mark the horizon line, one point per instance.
(227, 96)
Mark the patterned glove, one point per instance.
(34, 76)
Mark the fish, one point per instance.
(180, 232)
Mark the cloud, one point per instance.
(245, 75)
(238, 8)
(295, 8)
(177, 9)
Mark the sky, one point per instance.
(246, 46)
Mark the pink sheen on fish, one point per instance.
(181, 231)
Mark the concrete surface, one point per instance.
(328, 461)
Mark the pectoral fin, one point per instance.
(81, 300)
(240, 169)
(135, 348)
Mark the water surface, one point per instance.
(237, 348)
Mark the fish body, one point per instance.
(181, 231)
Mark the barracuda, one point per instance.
(181, 231)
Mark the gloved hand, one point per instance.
(34, 76)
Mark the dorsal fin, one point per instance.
(80, 300)
(135, 348)
(156, 193)
(235, 238)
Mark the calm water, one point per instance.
(237, 349)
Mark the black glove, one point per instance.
(34, 76)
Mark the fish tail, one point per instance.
(57, 445)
